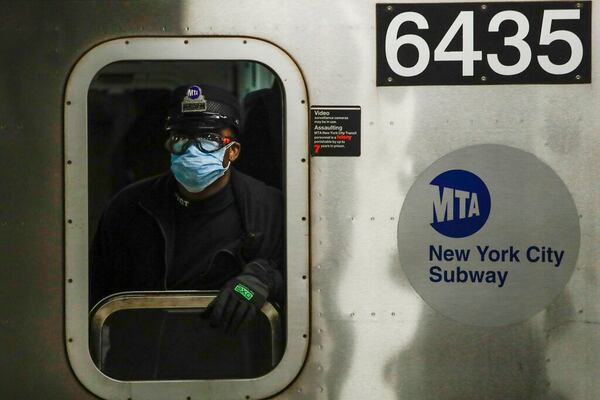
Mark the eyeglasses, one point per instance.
(205, 142)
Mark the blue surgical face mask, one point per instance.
(196, 170)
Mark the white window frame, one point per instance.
(76, 214)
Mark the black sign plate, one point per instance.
(484, 43)
(335, 130)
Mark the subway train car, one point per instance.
(435, 168)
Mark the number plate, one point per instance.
(484, 43)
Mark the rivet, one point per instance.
(69, 162)
(390, 79)
(70, 280)
(303, 101)
(68, 102)
(304, 335)
(389, 8)
(70, 340)
(127, 42)
(578, 77)
(303, 160)
(186, 41)
(70, 221)
(303, 218)
(303, 276)
(245, 41)
(483, 78)
(484, 7)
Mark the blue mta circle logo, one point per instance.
(461, 203)
(194, 92)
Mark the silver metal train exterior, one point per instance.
(370, 335)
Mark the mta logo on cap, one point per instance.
(194, 92)
(193, 101)
(461, 203)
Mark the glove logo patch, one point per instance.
(244, 291)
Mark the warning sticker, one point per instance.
(335, 130)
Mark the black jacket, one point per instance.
(133, 246)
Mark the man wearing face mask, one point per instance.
(202, 225)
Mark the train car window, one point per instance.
(184, 189)
(175, 218)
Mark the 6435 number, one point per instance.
(522, 40)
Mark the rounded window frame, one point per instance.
(76, 212)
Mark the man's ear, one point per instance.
(234, 151)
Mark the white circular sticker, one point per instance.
(488, 235)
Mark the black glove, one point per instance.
(240, 299)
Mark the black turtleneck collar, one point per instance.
(212, 204)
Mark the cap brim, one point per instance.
(195, 126)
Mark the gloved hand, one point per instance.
(240, 299)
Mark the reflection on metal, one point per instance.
(372, 336)
(169, 300)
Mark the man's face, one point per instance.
(178, 143)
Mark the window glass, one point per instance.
(186, 220)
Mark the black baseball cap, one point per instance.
(200, 108)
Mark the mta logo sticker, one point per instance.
(461, 203)
(194, 92)
(488, 235)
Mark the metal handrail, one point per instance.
(168, 300)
